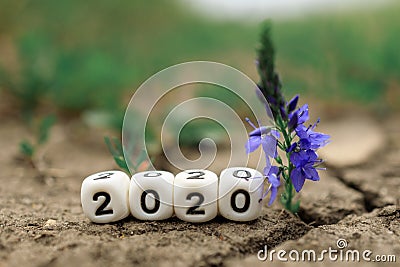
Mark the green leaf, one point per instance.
(140, 159)
(44, 128)
(26, 148)
(279, 160)
(110, 147)
(116, 150)
(118, 146)
(122, 164)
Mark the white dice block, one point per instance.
(195, 195)
(104, 196)
(151, 195)
(240, 191)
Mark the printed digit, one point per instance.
(246, 202)
(105, 175)
(156, 199)
(198, 175)
(101, 210)
(195, 209)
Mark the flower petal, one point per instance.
(305, 143)
(311, 173)
(301, 131)
(274, 180)
(253, 143)
(274, 193)
(303, 114)
(273, 169)
(260, 131)
(293, 121)
(269, 145)
(298, 158)
(283, 112)
(318, 139)
(268, 167)
(275, 134)
(312, 156)
(297, 179)
(293, 103)
(291, 148)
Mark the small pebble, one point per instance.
(50, 223)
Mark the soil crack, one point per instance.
(368, 196)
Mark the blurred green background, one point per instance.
(76, 58)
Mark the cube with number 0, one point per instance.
(195, 195)
(240, 191)
(151, 195)
(104, 196)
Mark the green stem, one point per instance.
(288, 195)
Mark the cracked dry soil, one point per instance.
(42, 224)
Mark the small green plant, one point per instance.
(42, 130)
(115, 147)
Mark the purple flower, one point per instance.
(273, 178)
(310, 139)
(292, 103)
(304, 162)
(264, 136)
(292, 124)
(302, 113)
(298, 116)
(291, 148)
(283, 113)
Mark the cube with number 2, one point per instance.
(195, 195)
(104, 196)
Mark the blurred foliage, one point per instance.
(195, 131)
(26, 148)
(352, 57)
(228, 97)
(44, 128)
(89, 56)
(34, 78)
(92, 55)
(114, 146)
(41, 129)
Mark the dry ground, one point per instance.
(42, 224)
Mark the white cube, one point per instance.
(240, 191)
(151, 195)
(104, 196)
(195, 195)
